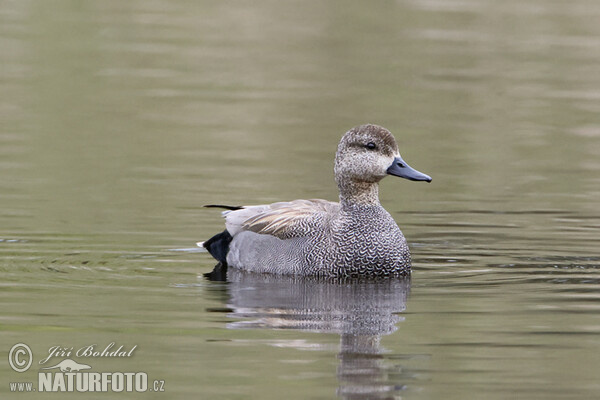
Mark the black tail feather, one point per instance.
(218, 246)
(232, 208)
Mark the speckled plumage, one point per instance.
(355, 237)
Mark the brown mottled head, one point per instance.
(368, 153)
(365, 153)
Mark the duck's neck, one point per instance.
(353, 193)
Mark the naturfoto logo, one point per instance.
(68, 376)
(67, 365)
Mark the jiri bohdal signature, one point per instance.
(91, 350)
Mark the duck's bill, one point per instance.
(403, 170)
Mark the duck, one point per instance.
(354, 237)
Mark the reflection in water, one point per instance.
(360, 311)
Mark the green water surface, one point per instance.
(120, 119)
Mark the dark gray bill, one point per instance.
(403, 170)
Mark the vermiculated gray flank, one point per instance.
(355, 237)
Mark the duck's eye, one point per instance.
(371, 146)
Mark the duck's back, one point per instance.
(278, 238)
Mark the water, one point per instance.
(120, 119)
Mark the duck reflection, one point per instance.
(360, 311)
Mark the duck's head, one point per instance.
(367, 154)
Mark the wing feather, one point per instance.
(283, 220)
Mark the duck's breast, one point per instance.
(369, 242)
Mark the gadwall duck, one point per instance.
(355, 237)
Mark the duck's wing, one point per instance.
(283, 220)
